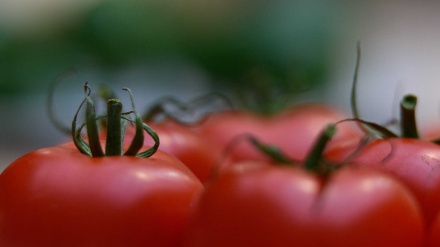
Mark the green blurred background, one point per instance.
(282, 52)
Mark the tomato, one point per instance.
(79, 194)
(263, 205)
(199, 155)
(294, 131)
(58, 196)
(433, 238)
(415, 162)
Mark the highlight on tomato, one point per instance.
(78, 194)
(254, 203)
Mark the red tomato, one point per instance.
(415, 162)
(294, 131)
(250, 205)
(433, 239)
(199, 155)
(59, 197)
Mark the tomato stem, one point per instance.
(114, 128)
(408, 116)
(312, 162)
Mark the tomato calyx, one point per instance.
(314, 161)
(191, 112)
(273, 151)
(116, 120)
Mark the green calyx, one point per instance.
(314, 160)
(182, 110)
(116, 121)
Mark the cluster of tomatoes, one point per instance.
(303, 177)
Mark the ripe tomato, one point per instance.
(415, 162)
(293, 131)
(262, 205)
(60, 197)
(433, 237)
(199, 155)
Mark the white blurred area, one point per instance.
(400, 43)
(400, 55)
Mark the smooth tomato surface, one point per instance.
(59, 197)
(253, 205)
(433, 238)
(414, 162)
(294, 131)
(193, 149)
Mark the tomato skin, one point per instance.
(294, 130)
(433, 238)
(414, 162)
(199, 155)
(260, 205)
(59, 197)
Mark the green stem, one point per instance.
(408, 116)
(114, 128)
(312, 162)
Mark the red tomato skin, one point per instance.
(294, 131)
(278, 207)
(414, 162)
(199, 155)
(59, 197)
(433, 238)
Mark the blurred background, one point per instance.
(258, 51)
